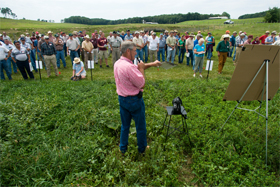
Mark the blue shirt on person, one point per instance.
(199, 48)
(232, 40)
(210, 39)
(78, 67)
(194, 43)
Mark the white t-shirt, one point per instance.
(3, 51)
(153, 43)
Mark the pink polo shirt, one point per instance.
(129, 80)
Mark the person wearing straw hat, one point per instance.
(78, 69)
(271, 39)
(58, 43)
(222, 50)
(189, 49)
(87, 48)
(51, 38)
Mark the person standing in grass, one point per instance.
(189, 49)
(130, 82)
(115, 44)
(102, 45)
(49, 53)
(161, 51)
(199, 51)
(182, 49)
(87, 48)
(153, 46)
(4, 56)
(58, 42)
(232, 41)
(21, 57)
(139, 45)
(222, 50)
(171, 43)
(145, 48)
(94, 41)
(209, 45)
(239, 44)
(10, 47)
(72, 46)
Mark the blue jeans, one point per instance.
(65, 49)
(10, 62)
(190, 57)
(60, 55)
(161, 52)
(234, 54)
(133, 107)
(139, 54)
(231, 50)
(145, 50)
(73, 54)
(170, 53)
(181, 55)
(4, 65)
(33, 59)
(209, 53)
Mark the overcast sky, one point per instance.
(112, 9)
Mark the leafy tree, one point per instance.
(226, 14)
(38, 19)
(8, 12)
(272, 15)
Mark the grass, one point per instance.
(58, 132)
(221, 21)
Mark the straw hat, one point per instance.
(87, 36)
(76, 60)
(49, 32)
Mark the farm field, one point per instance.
(57, 132)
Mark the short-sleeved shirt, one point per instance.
(9, 47)
(116, 42)
(262, 38)
(94, 42)
(239, 41)
(181, 42)
(232, 40)
(256, 42)
(144, 38)
(199, 48)
(59, 46)
(153, 43)
(78, 67)
(210, 39)
(87, 45)
(138, 41)
(129, 80)
(7, 37)
(102, 42)
(171, 40)
(72, 44)
(189, 43)
(270, 39)
(130, 37)
(162, 42)
(3, 51)
(26, 45)
(48, 48)
(195, 43)
(21, 54)
(122, 36)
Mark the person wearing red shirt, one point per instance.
(263, 37)
(102, 45)
(187, 35)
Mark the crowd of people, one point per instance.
(23, 53)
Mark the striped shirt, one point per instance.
(129, 80)
(26, 45)
(239, 41)
(21, 54)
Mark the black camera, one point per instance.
(177, 102)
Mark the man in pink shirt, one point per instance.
(130, 82)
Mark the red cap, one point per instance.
(227, 31)
(93, 34)
(250, 36)
(37, 32)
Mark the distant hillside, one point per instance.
(255, 15)
(161, 19)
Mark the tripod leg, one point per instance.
(230, 115)
(164, 121)
(261, 101)
(167, 132)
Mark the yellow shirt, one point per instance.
(87, 45)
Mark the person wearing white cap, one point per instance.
(51, 38)
(239, 44)
(78, 69)
(222, 50)
(271, 39)
(87, 48)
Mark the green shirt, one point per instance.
(222, 47)
(182, 42)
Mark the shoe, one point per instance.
(100, 66)
(96, 62)
(200, 76)
(193, 75)
(107, 66)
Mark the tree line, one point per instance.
(271, 15)
(161, 19)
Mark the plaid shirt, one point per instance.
(48, 49)
(239, 41)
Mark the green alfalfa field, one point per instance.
(57, 132)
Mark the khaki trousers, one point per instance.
(153, 53)
(51, 60)
(87, 56)
(115, 54)
(238, 51)
(222, 61)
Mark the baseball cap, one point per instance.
(210, 33)
(127, 30)
(114, 32)
(154, 33)
(22, 38)
(136, 32)
(267, 32)
(234, 32)
(46, 37)
(55, 35)
(70, 34)
(161, 34)
(242, 34)
(274, 32)
(227, 31)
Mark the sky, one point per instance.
(113, 10)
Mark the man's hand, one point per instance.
(5, 58)
(156, 63)
(218, 53)
(141, 65)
